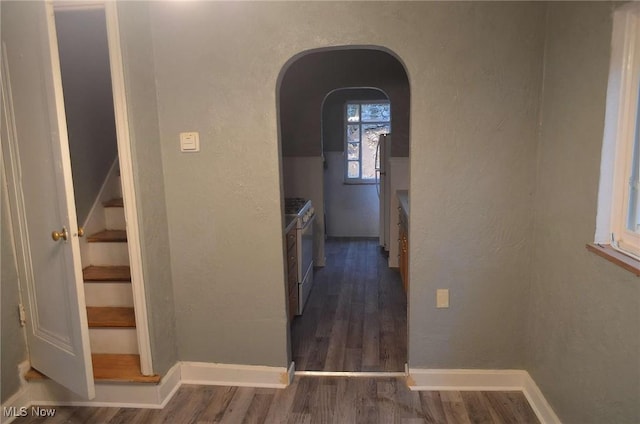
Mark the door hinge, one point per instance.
(22, 314)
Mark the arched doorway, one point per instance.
(355, 317)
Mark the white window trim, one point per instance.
(358, 180)
(620, 125)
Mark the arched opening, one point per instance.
(350, 311)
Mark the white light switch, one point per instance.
(442, 298)
(189, 142)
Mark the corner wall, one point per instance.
(137, 52)
(584, 339)
(474, 71)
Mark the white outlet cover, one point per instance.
(189, 142)
(442, 298)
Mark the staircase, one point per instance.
(108, 292)
(109, 299)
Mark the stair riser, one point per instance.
(114, 218)
(108, 253)
(113, 340)
(108, 294)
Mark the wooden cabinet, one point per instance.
(403, 248)
(292, 271)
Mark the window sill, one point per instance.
(359, 182)
(612, 255)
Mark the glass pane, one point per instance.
(353, 113)
(353, 169)
(370, 135)
(375, 112)
(353, 133)
(353, 151)
(633, 214)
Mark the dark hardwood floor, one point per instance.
(312, 400)
(356, 316)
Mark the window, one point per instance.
(364, 122)
(618, 220)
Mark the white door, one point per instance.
(36, 156)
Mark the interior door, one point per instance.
(36, 156)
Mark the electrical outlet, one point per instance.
(442, 298)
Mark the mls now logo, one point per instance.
(14, 411)
(36, 411)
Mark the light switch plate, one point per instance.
(442, 298)
(189, 142)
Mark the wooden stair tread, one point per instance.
(111, 317)
(108, 236)
(114, 203)
(106, 273)
(120, 367)
(110, 367)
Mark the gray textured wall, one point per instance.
(145, 139)
(13, 348)
(475, 72)
(474, 109)
(584, 339)
(84, 62)
(308, 79)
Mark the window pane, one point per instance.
(370, 135)
(375, 112)
(353, 169)
(353, 151)
(353, 113)
(633, 214)
(353, 133)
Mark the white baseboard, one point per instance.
(463, 379)
(235, 375)
(47, 392)
(154, 396)
(484, 380)
(538, 403)
(117, 395)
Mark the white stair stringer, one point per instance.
(107, 293)
(96, 219)
(113, 340)
(118, 190)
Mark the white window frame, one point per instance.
(621, 122)
(359, 180)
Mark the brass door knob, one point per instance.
(80, 231)
(60, 235)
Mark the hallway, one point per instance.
(356, 316)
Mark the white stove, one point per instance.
(304, 212)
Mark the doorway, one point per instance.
(52, 278)
(355, 319)
(83, 51)
(91, 73)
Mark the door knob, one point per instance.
(60, 235)
(80, 231)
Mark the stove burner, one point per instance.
(293, 205)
